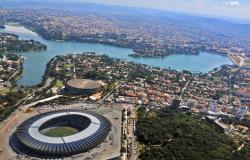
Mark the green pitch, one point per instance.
(61, 132)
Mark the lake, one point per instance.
(35, 61)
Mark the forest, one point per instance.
(173, 135)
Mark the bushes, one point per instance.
(11, 99)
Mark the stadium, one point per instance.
(60, 133)
(82, 86)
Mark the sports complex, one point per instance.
(86, 87)
(60, 133)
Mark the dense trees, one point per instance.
(95, 74)
(9, 101)
(11, 43)
(244, 153)
(167, 134)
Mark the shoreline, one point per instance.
(26, 45)
(135, 54)
(239, 59)
(170, 61)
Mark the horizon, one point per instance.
(239, 9)
(235, 11)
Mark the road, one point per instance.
(47, 84)
(129, 130)
(24, 108)
(18, 70)
(184, 88)
(133, 149)
(238, 59)
(108, 94)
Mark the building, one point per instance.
(213, 105)
(29, 138)
(214, 120)
(241, 112)
(85, 87)
(176, 103)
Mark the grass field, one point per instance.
(68, 65)
(13, 24)
(247, 62)
(59, 84)
(4, 90)
(61, 132)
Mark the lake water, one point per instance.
(35, 62)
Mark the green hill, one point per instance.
(173, 135)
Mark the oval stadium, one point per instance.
(60, 133)
(82, 86)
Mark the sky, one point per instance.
(224, 8)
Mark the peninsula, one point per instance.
(11, 43)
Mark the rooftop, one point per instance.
(83, 84)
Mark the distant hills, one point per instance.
(83, 7)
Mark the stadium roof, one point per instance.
(83, 84)
(29, 137)
(36, 134)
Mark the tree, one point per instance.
(174, 135)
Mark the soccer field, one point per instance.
(61, 132)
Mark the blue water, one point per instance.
(35, 62)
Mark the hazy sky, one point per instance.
(231, 8)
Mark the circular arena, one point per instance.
(83, 86)
(60, 133)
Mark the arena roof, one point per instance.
(28, 134)
(92, 128)
(83, 84)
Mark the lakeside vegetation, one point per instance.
(11, 43)
(168, 134)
